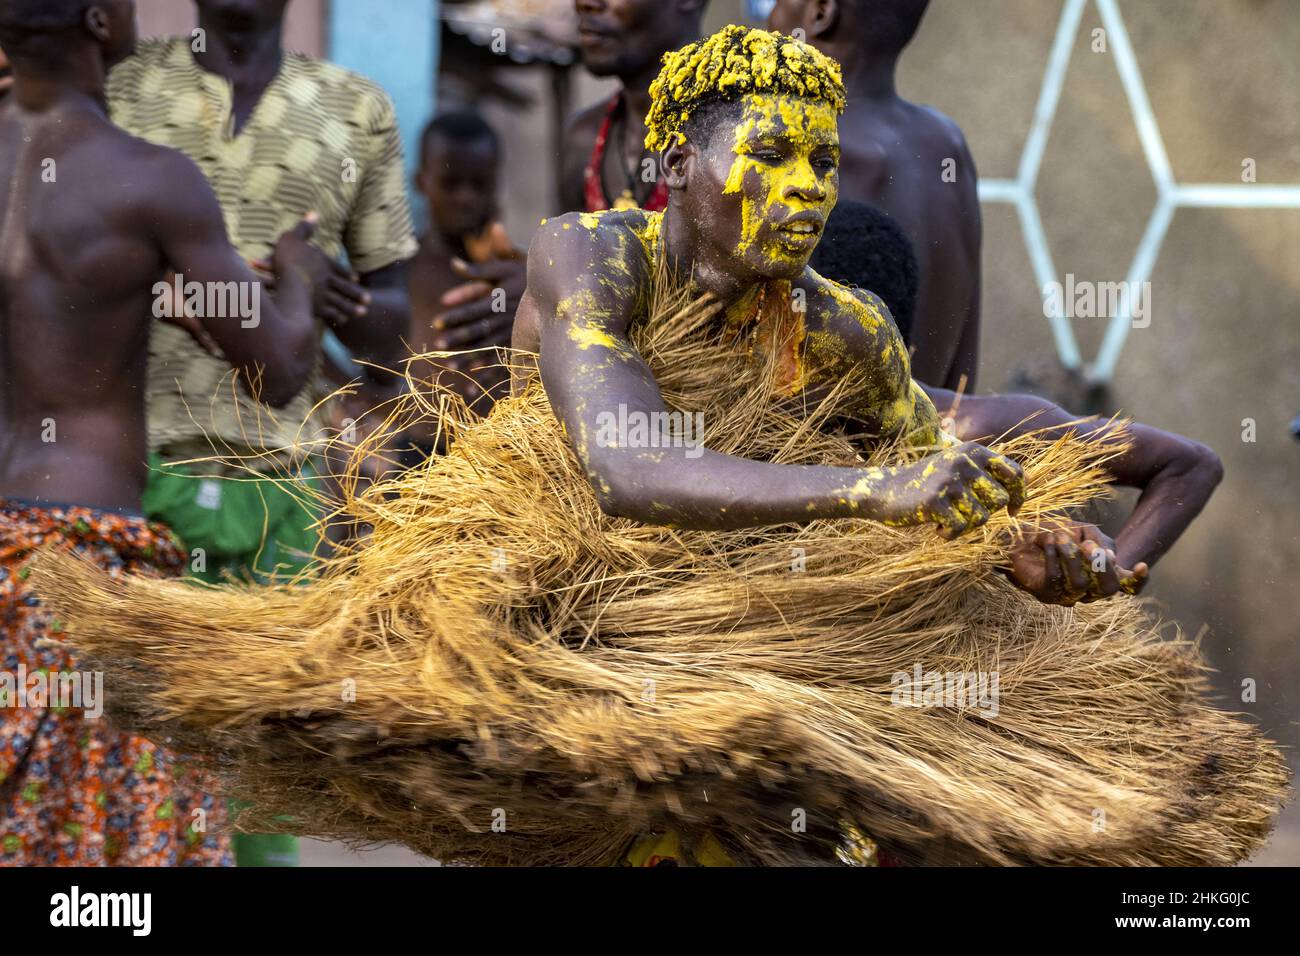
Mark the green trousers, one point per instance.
(246, 529)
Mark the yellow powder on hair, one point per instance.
(730, 64)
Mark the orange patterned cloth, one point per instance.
(73, 791)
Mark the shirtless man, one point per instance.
(90, 220)
(745, 124)
(911, 161)
(624, 39)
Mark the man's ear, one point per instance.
(825, 15)
(675, 161)
(422, 180)
(97, 22)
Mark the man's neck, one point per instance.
(245, 59)
(636, 96)
(78, 82)
(690, 259)
(636, 88)
(870, 77)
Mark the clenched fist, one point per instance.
(957, 489)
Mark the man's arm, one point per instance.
(594, 379)
(274, 351)
(1176, 475)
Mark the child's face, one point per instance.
(459, 181)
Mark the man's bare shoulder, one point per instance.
(936, 130)
(149, 177)
(851, 326)
(858, 312)
(606, 251)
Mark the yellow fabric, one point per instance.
(321, 139)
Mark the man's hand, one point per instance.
(341, 298)
(475, 315)
(178, 315)
(294, 254)
(957, 489)
(337, 295)
(1072, 562)
(336, 301)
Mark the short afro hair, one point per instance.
(865, 247)
(23, 22)
(460, 126)
(735, 62)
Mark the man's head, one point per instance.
(459, 158)
(48, 32)
(883, 27)
(242, 16)
(865, 247)
(626, 38)
(747, 124)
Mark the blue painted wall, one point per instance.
(395, 43)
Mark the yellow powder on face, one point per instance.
(804, 126)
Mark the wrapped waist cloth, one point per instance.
(74, 791)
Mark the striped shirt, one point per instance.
(321, 138)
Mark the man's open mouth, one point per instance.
(801, 230)
(803, 224)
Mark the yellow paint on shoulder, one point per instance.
(585, 337)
